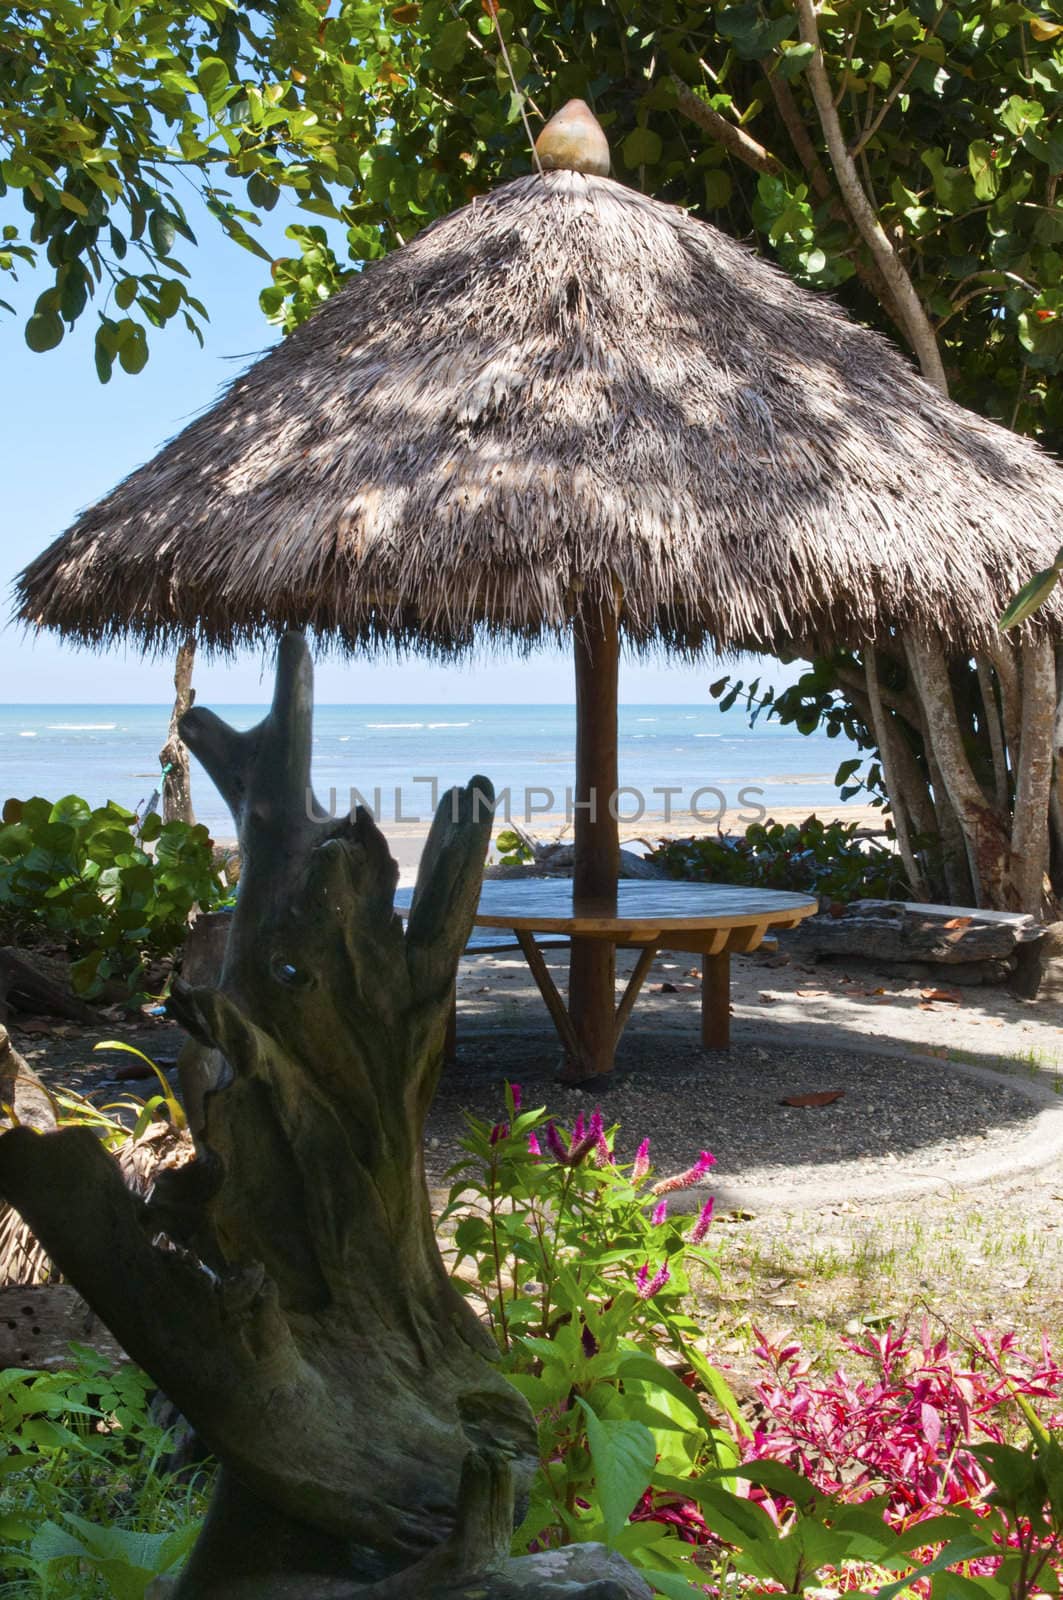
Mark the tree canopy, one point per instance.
(951, 113)
(113, 112)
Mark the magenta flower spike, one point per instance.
(555, 1144)
(499, 1131)
(642, 1162)
(514, 1090)
(687, 1179)
(701, 1227)
(645, 1286)
(660, 1211)
(579, 1128)
(534, 1147)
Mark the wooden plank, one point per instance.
(743, 940)
(631, 993)
(716, 1002)
(548, 989)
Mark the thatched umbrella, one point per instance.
(567, 407)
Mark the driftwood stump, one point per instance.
(305, 1324)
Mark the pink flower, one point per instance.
(645, 1286)
(534, 1147)
(660, 1211)
(578, 1129)
(642, 1162)
(604, 1157)
(701, 1227)
(686, 1180)
(514, 1090)
(499, 1131)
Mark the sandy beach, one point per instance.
(407, 838)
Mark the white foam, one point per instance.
(450, 724)
(81, 727)
(394, 724)
(27, 734)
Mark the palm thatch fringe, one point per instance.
(160, 1146)
(564, 388)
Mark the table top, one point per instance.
(545, 905)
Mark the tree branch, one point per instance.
(913, 317)
(733, 138)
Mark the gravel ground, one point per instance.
(816, 1233)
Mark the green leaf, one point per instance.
(161, 231)
(133, 355)
(126, 293)
(981, 162)
(623, 1457)
(214, 80)
(44, 331)
(793, 62)
(718, 189)
(1031, 597)
(642, 148)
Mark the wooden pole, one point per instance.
(592, 969)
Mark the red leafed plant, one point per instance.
(906, 1430)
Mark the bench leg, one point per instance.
(716, 1002)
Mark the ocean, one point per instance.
(393, 755)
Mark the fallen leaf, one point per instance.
(130, 1070)
(767, 999)
(36, 1027)
(819, 1097)
(958, 922)
(953, 996)
(782, 1304)
(665, 988)
(812, 994)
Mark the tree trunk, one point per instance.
(1033, 786)
(985, 833)
(886, 738)
(307, 1328)
(994, 729)
(176, 772)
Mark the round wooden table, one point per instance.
(705, 919)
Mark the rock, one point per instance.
(1039, 967)
(38, 1322)
(896, 931)
(635, 866)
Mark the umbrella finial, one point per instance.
(573, 140)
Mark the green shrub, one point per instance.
(824, 858)
(86, 1511)
(84, 879)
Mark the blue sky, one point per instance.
(67, 439)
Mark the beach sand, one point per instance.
(406, 839)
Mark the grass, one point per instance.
(959, 1259)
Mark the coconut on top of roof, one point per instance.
(566, 388)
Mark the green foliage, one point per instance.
(1032, 596)
(513, 848)
(84, 878)
(108, 108)
(953, 113)
(824, 858)
(817, 703)
(86, 1510)
(584, 1279)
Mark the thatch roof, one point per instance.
(566, 385)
